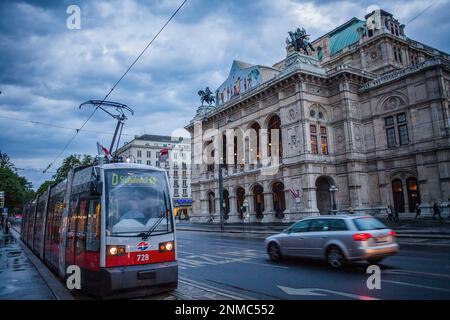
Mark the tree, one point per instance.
(5, 161)
(18, 190)
(69, 163)
(44, 186)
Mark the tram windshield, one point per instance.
(137, 201)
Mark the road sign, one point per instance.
(2, 199)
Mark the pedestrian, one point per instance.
(396, 216)
(436, 211)
(350, 210)
(390, 216)
(418, 210)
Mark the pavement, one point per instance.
(19, 277)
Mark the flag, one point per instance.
(103, 151)
(163, 155)
(295, 194)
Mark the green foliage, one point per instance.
(43, 187)
(70, 162)
(5, 161)
(18, 190)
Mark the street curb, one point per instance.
(265, 233)
(53, 283)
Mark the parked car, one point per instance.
(338, 239)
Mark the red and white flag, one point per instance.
(163, 155)
(295, 194)
(103, 151)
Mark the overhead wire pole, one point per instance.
(114, 86)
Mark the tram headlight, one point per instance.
(115, 250)
(166, 246)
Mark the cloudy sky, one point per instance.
(47, 70)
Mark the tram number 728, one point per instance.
(143, 257)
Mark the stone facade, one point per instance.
(370, 117)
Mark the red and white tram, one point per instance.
(114, 221)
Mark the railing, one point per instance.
(393, 75)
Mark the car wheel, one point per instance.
(335, 257)
(274, 252)
(375, 260)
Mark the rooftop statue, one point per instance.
(206, 96)
(299, 40)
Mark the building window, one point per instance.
(175, 173)
(390, 132)
(399, 122)
(184, 175)
(324, 139)
(313, 131)
(139, 161)
(149, 163)
(184, 183)
(175, 192)
(139, 153)
(157, 164)
(319, 136)
(403, 134)
(185, 193)
(175, 155)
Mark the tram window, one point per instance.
(93, 226)
(136, 200)
(81, 225)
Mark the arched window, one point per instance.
(274, 123)
(279, 203)
(211, 203)
(226, 201)
(397, 191)
(240, 198)
(258, 200)
(254, 143)
(413, 193)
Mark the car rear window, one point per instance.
(368, 223)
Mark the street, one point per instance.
(240, 268)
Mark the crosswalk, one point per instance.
(194, 260)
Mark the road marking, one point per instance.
(222, 292)
(416, 285)
(313, 292)
(418, 273)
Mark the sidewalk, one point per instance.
(19, 279)
(425, 228)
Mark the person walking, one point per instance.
(390, 216)
(436, 211)
(418, 210)
(396, 216)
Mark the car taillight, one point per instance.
(166, 246)
(362, 236)
(392, 233)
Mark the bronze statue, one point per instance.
(299, 40)
(206, 96)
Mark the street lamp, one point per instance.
(221, 202)
(333, 189)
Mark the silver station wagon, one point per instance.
(336, 238)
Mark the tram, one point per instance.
(114, 221)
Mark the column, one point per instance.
(269, 214)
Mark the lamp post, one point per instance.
(333, 189)
(221, 203)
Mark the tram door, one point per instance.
(71, 231)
